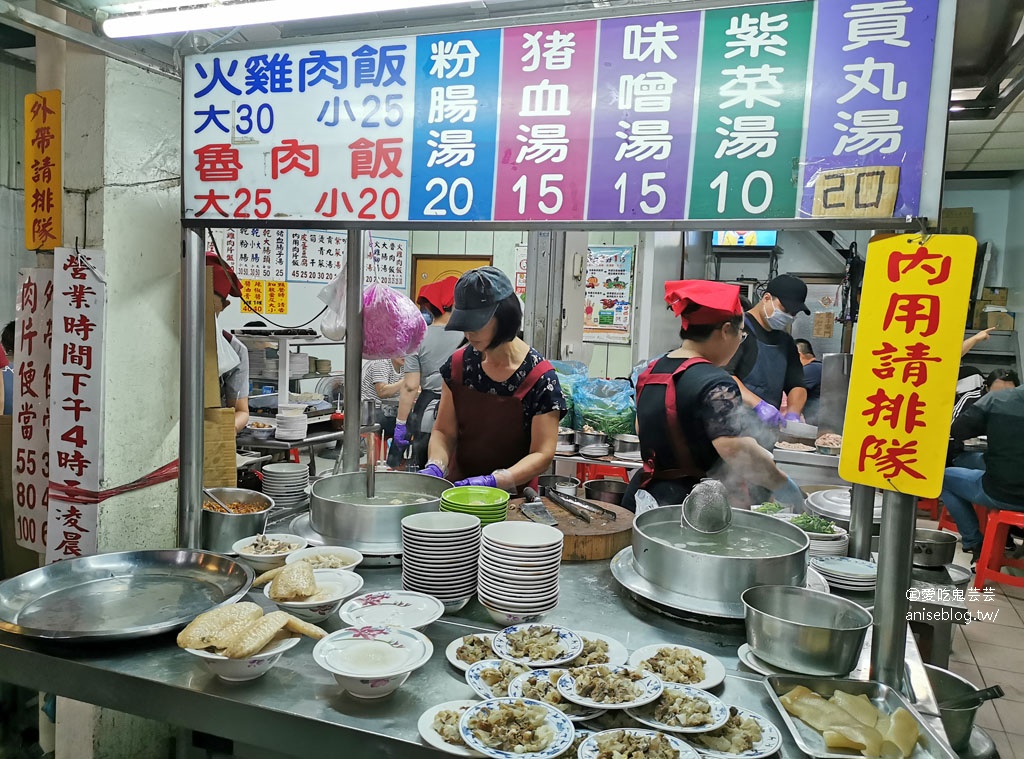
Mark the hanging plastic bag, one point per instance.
(569, 373)
(227, 357)
(332, 326)
(605, 406)
(392, 324)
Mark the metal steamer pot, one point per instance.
(933, 548)
(339, 511)
(719, 579)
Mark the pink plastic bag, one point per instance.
(392, 325)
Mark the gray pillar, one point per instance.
(353, 349)
(862, 520)
(190, 429)
(895, 563)
(545, 275)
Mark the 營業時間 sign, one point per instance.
(777, 111)
(906, 362)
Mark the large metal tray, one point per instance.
(120, 595)
(882, 696)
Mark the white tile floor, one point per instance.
(990, 653)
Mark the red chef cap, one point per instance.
(225, 282)
(698, 301)
(440, 294)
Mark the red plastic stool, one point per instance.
(293, 454)
(946, 521)
(586, 472)
(929, 506)
(993, 550)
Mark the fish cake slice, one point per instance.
(202, 630)
(256, 637)
(226, 635)
(267, 576)
(295, 583)
(302, 627)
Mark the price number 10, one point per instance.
(721, 183)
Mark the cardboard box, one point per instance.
(219, 448)
(997, 296)
(999, 320)
(956, 221)
(978, 315)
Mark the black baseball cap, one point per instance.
(477, 295)
(791, 291)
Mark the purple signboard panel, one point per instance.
(869, 98)
(643, 117)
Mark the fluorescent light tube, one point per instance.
(228, 15)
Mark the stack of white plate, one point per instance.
(286, 483)
(290, 427)
(846, 572)
(440, 551)
(630, 456)
(596, 451)
(519, 563)
(824, 544)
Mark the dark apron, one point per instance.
(768, 377)
(490, 427)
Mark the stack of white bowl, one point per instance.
(286, 483)
(519, 563)
(292, 426)
(440, 551)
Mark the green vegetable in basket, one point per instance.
(771, 507)
(814, 523)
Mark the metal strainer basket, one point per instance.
(706, 509)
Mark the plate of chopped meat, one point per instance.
(680, 664)
(602, 687)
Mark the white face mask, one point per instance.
(778, 319)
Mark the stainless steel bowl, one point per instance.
(566, 485)
(704, 576)
(566, 436)
(609, 491)
(626, 444)
(933, 548)
(583, 439)
(340, 511)
(957, 722)
(219, 531)
(803, 630)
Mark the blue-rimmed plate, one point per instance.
(571, 645)
(589, 748)
(771, 739)
(714, 670)
(646, 689)
(546, 682)
(475, 680)
(561, 727)
(717, 716)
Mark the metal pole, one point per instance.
(190, 426)
(895, 564)
(353, 349)
(862, 520)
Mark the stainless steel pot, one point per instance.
(566, 436)
(219, 531)
(933, 548)
(583, 439)
(957, 722)
(626, 444)
(609, 491)
(339, 509)
(720, 579)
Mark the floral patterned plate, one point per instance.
(373, 651)
(573, 711)
(771, 739)
(647, 688)
(571, 646)
(589, 749)
(561, 727)
(718, 714)
(403, 608)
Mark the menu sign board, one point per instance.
(906, 361)
(732, 113)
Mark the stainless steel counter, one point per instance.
(809, 469)
(298, 709)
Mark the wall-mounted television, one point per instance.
(760, 238)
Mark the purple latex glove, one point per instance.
(400, 436)
(791, 417)
(768, 414)
(433, 470)
(486, 480)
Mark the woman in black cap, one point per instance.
(689, 412)
(497, 423)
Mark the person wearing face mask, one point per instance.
(689, 410)
(768, 365)
(232, 355)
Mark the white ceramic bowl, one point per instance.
(372, 663)
(526, 606)
(341, 586)
(513, 618)
(266, 561)
(240, 670)
(431, 522)
(349, 554)
(523, 535)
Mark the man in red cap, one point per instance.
(421, 384)
(689, 411)
(232, 355)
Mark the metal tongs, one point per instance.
(573, 505)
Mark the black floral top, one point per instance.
(544, 397)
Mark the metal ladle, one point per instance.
(706, 509)
(216, 500)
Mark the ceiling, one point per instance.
(987, 106)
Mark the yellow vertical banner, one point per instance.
(253, 296)
(906, 361)
(44, 185)
(277, 298)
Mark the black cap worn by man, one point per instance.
(477, 295)
(791, 291)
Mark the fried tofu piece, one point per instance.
(267, 576)
(296, 625)
(255, 638)
(202, 631)
(295, 583)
